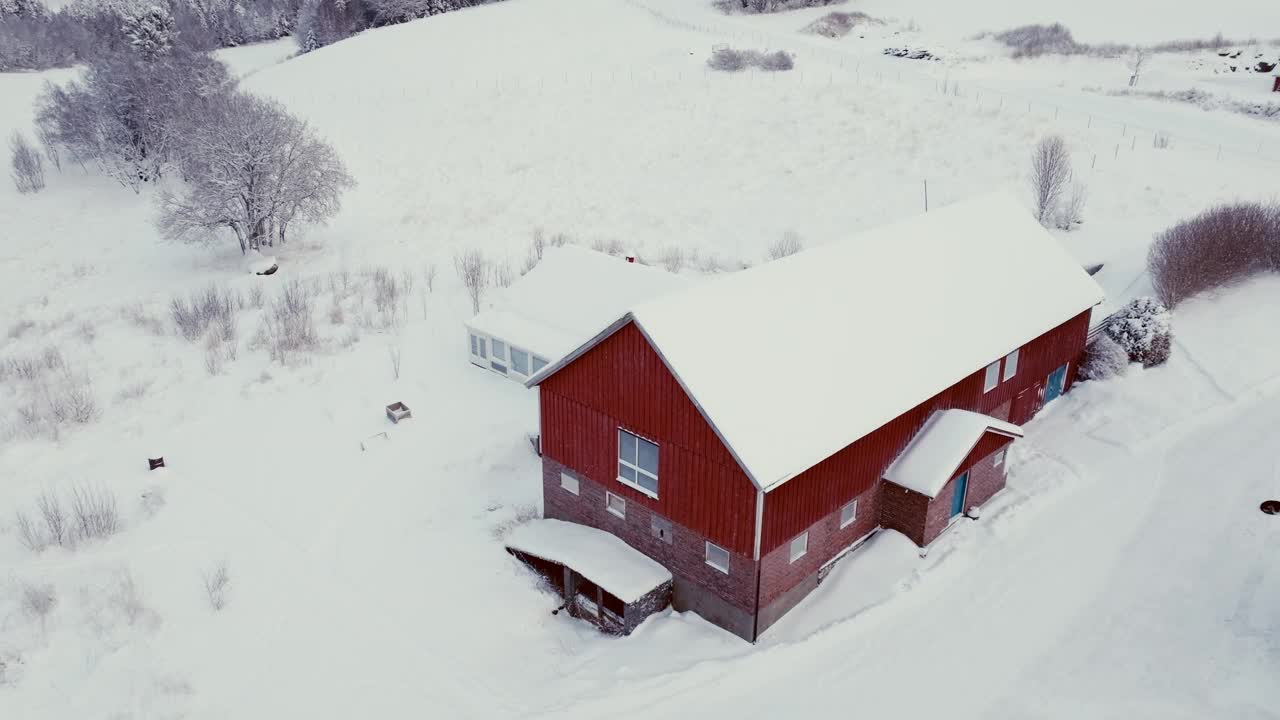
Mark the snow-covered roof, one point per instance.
(935, 453)
(599, 556)
(568, 297)
(795, 359)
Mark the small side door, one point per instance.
(959, 494)
(1055, 384)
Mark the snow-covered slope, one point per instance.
(1125, 572)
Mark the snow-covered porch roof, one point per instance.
(601, 557)
(934, 455)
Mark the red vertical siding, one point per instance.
(622, 382)
(806, 498)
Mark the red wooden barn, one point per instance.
(749, 431)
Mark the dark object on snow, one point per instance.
(1271, 507)
(270, 271)
(1276, 87)
(536, 441)
(398, 411)
(1093, 269)
(153, 463)
(910, 54)
(1265, 67)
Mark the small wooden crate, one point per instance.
(398, 411)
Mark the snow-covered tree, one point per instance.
(151, 31)
(1103, 358)
(253, 169)
(1144, 329)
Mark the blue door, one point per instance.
(957, 498)
(1053, 387)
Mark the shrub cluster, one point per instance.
(1215, 248)
(90, 513)
(731, 60)
(1103, 358)
(839, 24)
(1143, 329)
(770, 6)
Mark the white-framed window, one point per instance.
(992, 377)
(478, 346)
(800, 546)
(998, 459)
(848, 513)
(638, 463)
(519, 360)
(569, 482)
(718, 558)
(1010, 365)
(615, 504)
(538, 363)
(499, 350)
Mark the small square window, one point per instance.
(1010, 364)
(998, 460)
(991, 379)
(800, 546)
(498, 367)
(615, 504)
(718, 558)
(569, 482)
(848, 514)
(538, 363)
(661, 528)
(500, 350)
(520, 361)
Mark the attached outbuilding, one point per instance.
(601, 578)
(555, 307)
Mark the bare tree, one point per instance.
(393, 352)
(473, 270)
(216, 583)
(1072, 212)
(253, 168)
(1050, 175)
(1215, 248)
(1135, 61)
(27, 167)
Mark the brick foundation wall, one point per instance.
(725, 600)
(783, 584)
(904, 510)
(921, 519)
(985, 480)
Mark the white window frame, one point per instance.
(803, 539)
(707, 557)
(991, 377)
(536, 363)
(608, 505)
(1010, 361)
(853, 516)
(998, 460)
(569, 483)
(635, 467)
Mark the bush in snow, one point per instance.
(1143, 329)
(211, 307)
(1103, 358)
(672, 258)
(217, 581)
(731, 60)
(26, 166)
(789, 244)
(770, 6)
(838, 24)
(289, 323)
(1217, 247)
(38, 602)
(150, 31)
(1036, 40)
(1050, 176)
(1071, 212)
(90, 515)
(254, 169)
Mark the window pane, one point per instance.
(848, 513)
(718, 557)
(627, 446)
(1010, 364)
(799, 547)
(482, 352)
(500, 368)
(499, 350)
(648, 483)
(992, 377)
(568, 482)
(538, 363)
(520, 361)
(648, 457)
(626, 473)
(616, 505)
(475, 345)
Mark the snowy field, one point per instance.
(1126, 572)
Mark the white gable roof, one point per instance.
(601, 557)
(795, 359)
(567, 298)
(935, 453)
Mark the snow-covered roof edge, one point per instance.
(977, 423)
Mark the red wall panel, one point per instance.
(809, 496)
(623, 383)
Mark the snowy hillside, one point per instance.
(1127, 571)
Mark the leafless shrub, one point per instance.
(126, 598)
(429, 276)
(559, 240)
(139, 316)
(257, 297)
(288, 325)
(502, 275)
(88, 332)
(29, 533)
(212, 356)
(1217, 247)
(56, 529)
(1103, 358)
(388, 295)
(770, 6)
(336, 315)
(1037, 40)
(731, 60)
(393, 352)
(1160, 141)
(38, 602)
(776, 61)
(208, 307)
(25, 368)
(52, 358)
(838, 24)
(608, 246)
(217, 581)
(672, 258)
(1050, 175)
(27, 167)
(1072, 211)
(710, 263)
(789, 244)
(94, 512)
(133, 391)
(530, 262)
(1135, 61)
(474, 270)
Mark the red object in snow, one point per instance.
(1276, 86)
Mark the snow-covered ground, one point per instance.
(1125, 572)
